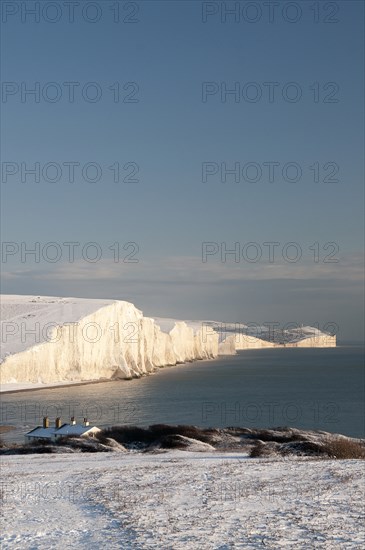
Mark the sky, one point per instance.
(203, 160)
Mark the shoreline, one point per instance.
(59, 385)
(157, 369)
(99, 381)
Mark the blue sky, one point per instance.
(168, 134)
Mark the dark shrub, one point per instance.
(302, 448)
(133, 435)
(29, 449)
(262, 450)
(173, 441)
(205, 435)
(128, 435)
(83, 444)
(326, 447)
(342, 448)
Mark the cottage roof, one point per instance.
(42, 432)
(73, 429)
(64, 430)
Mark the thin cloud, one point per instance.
(190, 269)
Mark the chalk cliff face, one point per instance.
(245, 341)
(238, 337)
(116, 340)
(320, 341)
(227, 346)
(51, 340)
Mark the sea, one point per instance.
(315, 389)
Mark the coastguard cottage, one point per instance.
(52, 433)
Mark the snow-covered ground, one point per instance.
(180, 500)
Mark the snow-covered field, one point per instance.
(180, 500)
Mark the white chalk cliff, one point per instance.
(49, 340)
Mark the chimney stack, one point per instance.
(73, 421)
(45, 422)
(58, 422)
(86, 422)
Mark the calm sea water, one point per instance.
(305, 388)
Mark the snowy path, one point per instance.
(179, 501)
